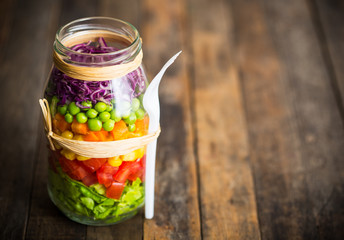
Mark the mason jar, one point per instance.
(94, 98)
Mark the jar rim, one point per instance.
(134, 45)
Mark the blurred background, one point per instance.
(252, 114)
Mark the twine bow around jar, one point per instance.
(94, 73)
(93, 149)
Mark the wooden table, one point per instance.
(252, 141)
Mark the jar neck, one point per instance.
(123, 39)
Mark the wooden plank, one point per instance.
(75, 9)
(328, 17)
(128, 230)
(273, 153)
(128, 10)
(164, 33)
(21, 73)
(226, 184)
(295, 129)
(6, 21)
(317, 115)
(46, 221)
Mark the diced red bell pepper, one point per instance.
(73, 168)
(138, 174)
(104, 178)
(105, 174)
(94, 164)
(123, 172)
(143, 165)
(143, 161)
(137, 170)
(107, 168)
(115, 190)
(128, 168)
(122, 176)
(90, 179)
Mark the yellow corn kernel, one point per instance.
(67, 134)
(68, 154)
(129, 156)
(78, 137)
(115, 161)
(139, 153)
(82, 158)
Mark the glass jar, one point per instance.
(95, 92)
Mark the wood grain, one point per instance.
(252, 118)
(328, 17)
(21, 73)
(294, 125)
(45, 219)
(6, 21)
(129, 10)
(318, 121)
(176, 202)
(226, 183)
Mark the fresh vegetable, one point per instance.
(90, 179)
(53, 105)
(86, 104)
(100, 107)
(60, 123)
(73, 108)
(79, 128)
(115, 116)
(94, 124)
(91, 113)
(97, 188)
(94, 164)
(115, 161)
(109, 107)
(104, 116)
(62, 109)
(120, 130)
(135, 104)
(115, 190)
(67, 134)
(95, 201)
(73, 168)
(131, 127)
(91, 137)
(109, 125)
(81, 117)
(131, 119)
(106, 173)
(69, 118)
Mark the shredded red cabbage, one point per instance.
(73, 90)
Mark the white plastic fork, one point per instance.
(152, 106)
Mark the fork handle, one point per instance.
(150, 176)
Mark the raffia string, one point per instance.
(93, 149)
(96, 73)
